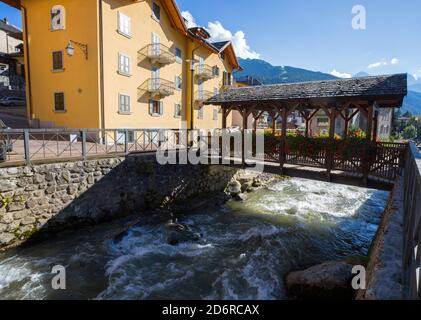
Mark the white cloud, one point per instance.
(340, 75)
(190, 21)
(383, 62)
(219, 33)
(378, 64)
(415, 76)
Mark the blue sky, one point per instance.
(315, 35)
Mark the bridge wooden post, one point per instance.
(330, 152)
(244, 114)
(282, 148)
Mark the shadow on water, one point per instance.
(246, 250)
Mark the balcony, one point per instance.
(202, 95)
(157, 88)
(205, 72)
(157, 54)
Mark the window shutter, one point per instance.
(151, 107)
(161, 108)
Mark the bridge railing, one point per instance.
(380, 160)
(412, 224)
(29, 145)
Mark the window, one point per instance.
(215, 114)
(322, 121)
(123, 64)
(215, 71)
(156, 12)
(124, 24)
(124, 103)
(200, 113)
(227, 81)
(178, 55)
(58, 61)
(177, 110)
(121, 137)
(178, 83)
(59, 102)
(156, 108)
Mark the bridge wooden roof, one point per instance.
(387, 91)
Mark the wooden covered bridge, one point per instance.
(365, 159)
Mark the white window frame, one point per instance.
(215, 115)
(178, 59)
(124, 24)
(200, 113)
(120, 110)
(160, 107)
(178, 83)
(124, 69)
(176, 107)
(157, 19)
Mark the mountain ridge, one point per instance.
(266, 73)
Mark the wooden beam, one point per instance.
(244, 114)
(370, 113)
(282, 149)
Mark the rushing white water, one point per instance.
(247, 249)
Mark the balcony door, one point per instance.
(156, 82)
(156, 45)
(201, 65)
(200, 91)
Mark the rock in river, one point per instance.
(329, 280)
(179, 233)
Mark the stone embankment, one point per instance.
(40, 200)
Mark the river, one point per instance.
(246, 251)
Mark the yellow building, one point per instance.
(120, 64)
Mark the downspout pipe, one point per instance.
(27, 61)
(101, 63)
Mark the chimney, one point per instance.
(5, 20)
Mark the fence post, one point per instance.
(26, 146)
(126, 142)
(83, 136)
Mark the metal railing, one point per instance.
(202, 95)
(156, 87)
(412, 224)
(157, 53)
(205, 72)
(29, 145)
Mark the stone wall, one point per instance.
(384, 270)
(47, 198)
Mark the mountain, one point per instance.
(412, 103)
(269, 74)
(361, 74)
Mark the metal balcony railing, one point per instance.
(206, 72)
(157, 87)
(203, 95)
(157, 54)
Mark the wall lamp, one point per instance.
(70, 49)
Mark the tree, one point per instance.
(410, 132)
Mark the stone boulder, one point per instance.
(234, 188)
(240, 197)
(326, 281)
(179, 233)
